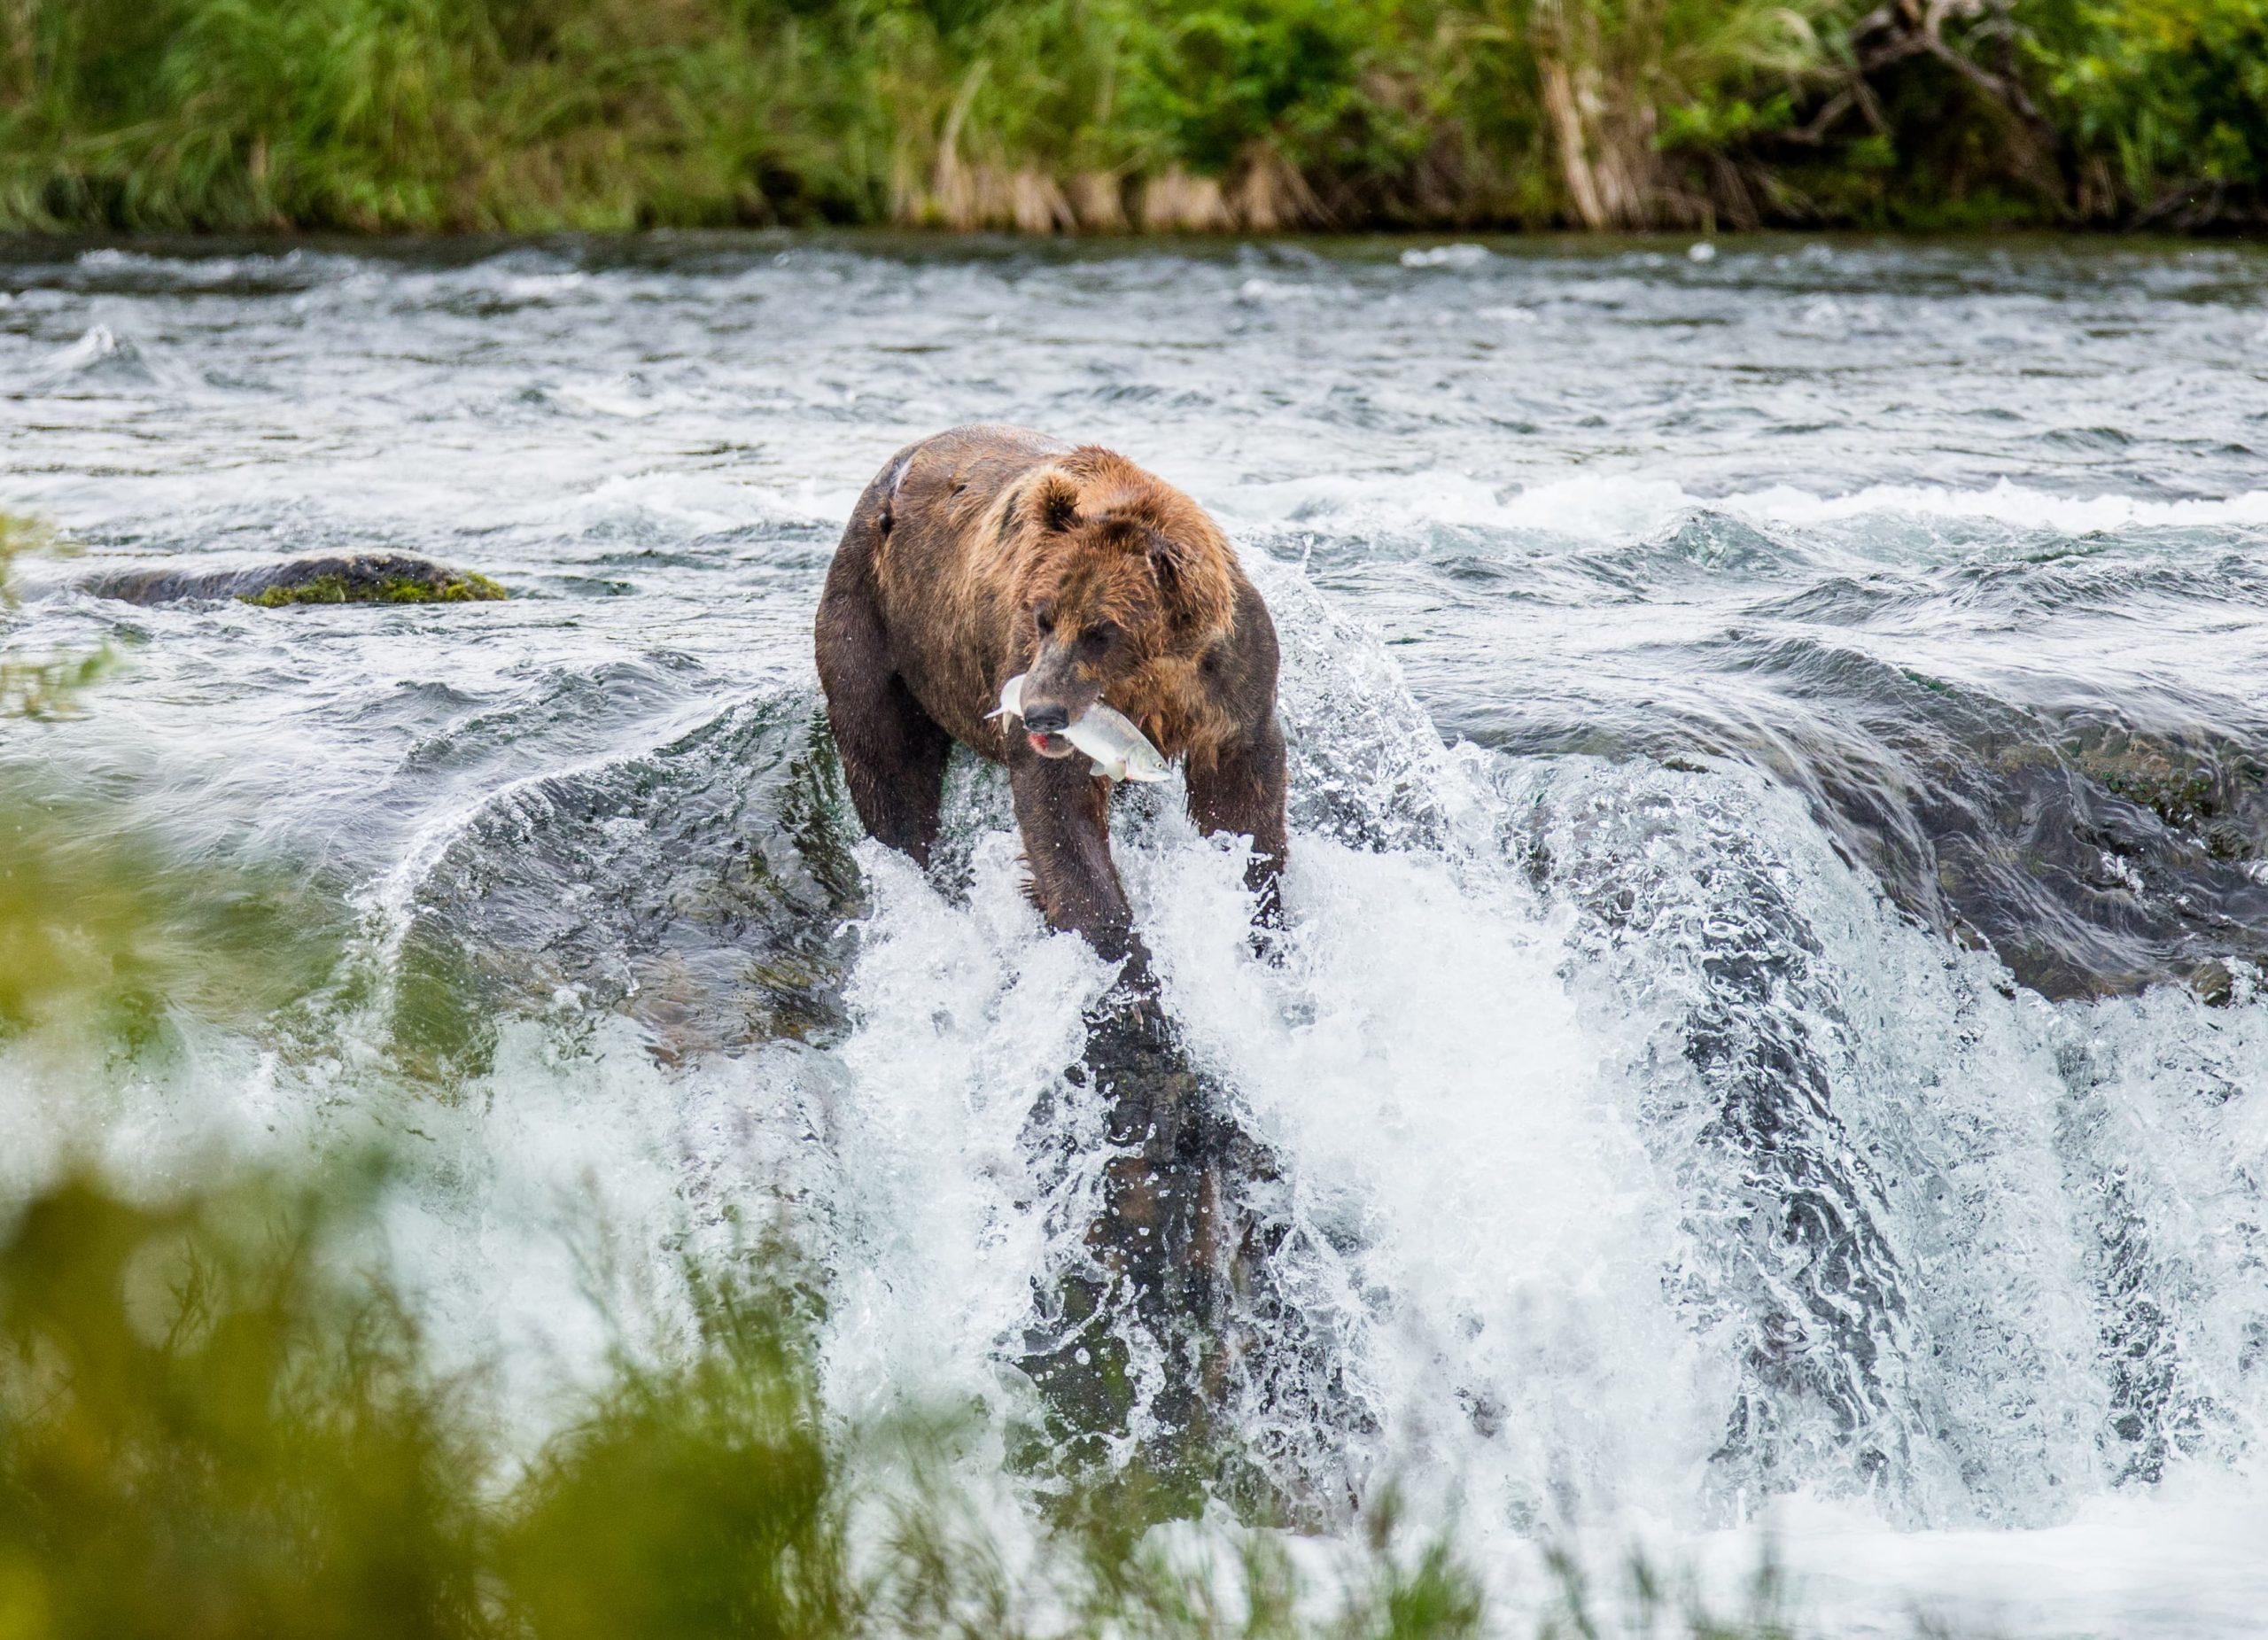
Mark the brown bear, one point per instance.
(985, 552)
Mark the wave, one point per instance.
(676, 505)
(116, 269)
(1615, 506)
(99, 362)
(1447, 256)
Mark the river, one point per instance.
(1770, 1041)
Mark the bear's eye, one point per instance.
(1096, 637)
(1042, 616)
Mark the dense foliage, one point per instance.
(1102, 114)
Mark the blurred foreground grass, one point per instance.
(41, 686)
(103, 931)
(216, 1421)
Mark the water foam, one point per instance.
(1638, 1157)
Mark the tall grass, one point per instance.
(1100, 115)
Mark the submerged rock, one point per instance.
(329, 578)
(701, 888)
(1174, 1358)
(2096, 849)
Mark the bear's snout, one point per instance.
(1047, 717)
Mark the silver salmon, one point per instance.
(1120, 750)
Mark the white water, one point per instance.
(1646, 1174)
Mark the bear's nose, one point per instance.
(1046, 718)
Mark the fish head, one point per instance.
(1145, 762)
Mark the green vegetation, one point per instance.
(214, 1420)
(106, 935)
(41, 686)
(465, 588)
(1101, 115)
(45, 687)
(103, 932)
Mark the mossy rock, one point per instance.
(330, 578)
(467, 588)
(2191, 787)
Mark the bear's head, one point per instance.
(1119, 582)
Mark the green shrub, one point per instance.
(204, 1432)
(1203, 82)
(531, 115)
(2165, 94)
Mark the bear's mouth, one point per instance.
(1050, 745)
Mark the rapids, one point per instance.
(1770, 1036)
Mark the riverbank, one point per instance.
(1101, 116)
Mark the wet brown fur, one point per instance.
(958, 551)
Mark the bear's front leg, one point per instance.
(1064, 812)
(1241, 792)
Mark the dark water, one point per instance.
(1782, 797)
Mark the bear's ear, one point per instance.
(1198, 591)
(1165, 564)
(1055, 503)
